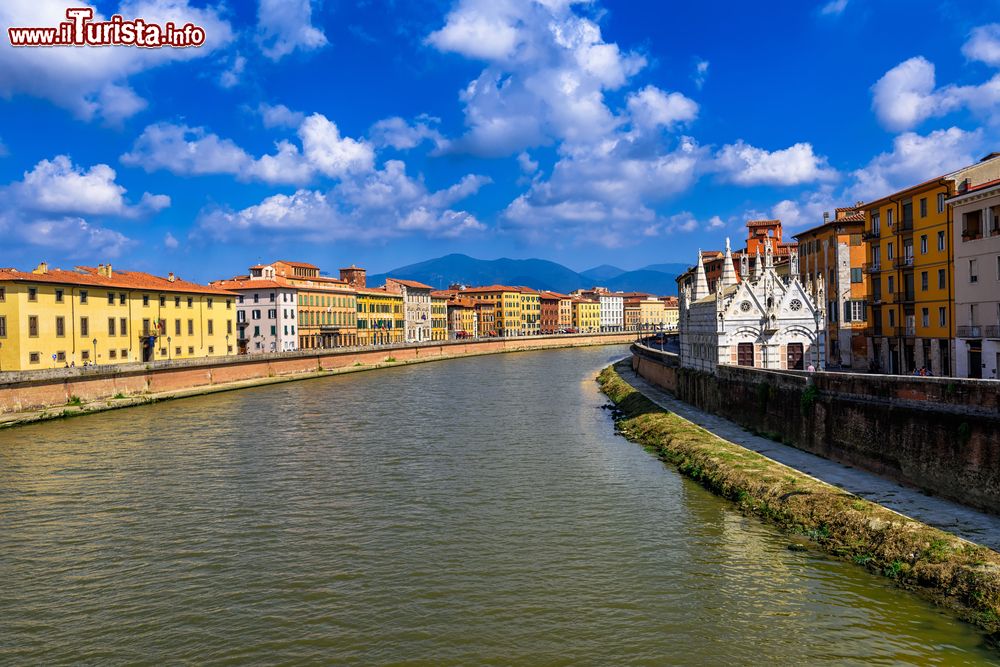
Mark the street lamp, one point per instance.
(95, 349)
(169, 351)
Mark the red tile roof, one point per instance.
(89, 277)
(241, 283)
(409, 283)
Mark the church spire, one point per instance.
(728, 270)
(700, 281)
(758, 267)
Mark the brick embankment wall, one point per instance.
(35, 390)
(941, 435)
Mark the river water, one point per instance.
(475, 511)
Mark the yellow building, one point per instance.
(531, 311)
(328, 307)
(439, 317)
(380, 317)
(671, 312)
(911, 320)
(507, 303)
(55, 318)
(586, 315)
(836, 252)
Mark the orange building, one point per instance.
(835, 253)
(328, 307)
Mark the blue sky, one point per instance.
(384, 133)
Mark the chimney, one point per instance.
(826, 216)
(170, 277)
(42, 268)
(107, 269)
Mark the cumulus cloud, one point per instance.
(984, 45)
(652, 107)
(284, 26)
(58, 186)
(743, 164)
(230, 77)
(915, 158)
(170, 241)
(98, 86)
(69, 235)
(192, 151)
(382, 204)
(907, 94)
(807, 210)
(402, 135)
(700, 73)
(278, 115)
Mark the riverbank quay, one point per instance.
(28, 397)
(953, 572)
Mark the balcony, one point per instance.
(903, 262)
(970, 331)
(868, 236)
(992, 331)
(910, 330)
(872, 267)
(907, 297)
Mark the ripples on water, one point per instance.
(478, 511)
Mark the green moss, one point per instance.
(960, 575)
(808, 399)
(74, 400)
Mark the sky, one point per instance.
(382, 133)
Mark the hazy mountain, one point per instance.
(675, 269)
(601, 273)
(537, 273)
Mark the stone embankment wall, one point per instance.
(32, 390)
(941, 435)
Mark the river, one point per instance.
(474, 511)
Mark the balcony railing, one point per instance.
(907, 297)
(970, 331)
(971, 234)
(992, 331)
(869, 235)
(873, 267)
(905, 260)
(910, 330)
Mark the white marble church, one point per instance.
(763, 320)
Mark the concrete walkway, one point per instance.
(946, 515)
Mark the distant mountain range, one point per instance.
(542, 274)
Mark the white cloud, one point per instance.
(278, 115)
(700, 73)
(96, 86)
(476, 34)
(807, 210)
(528, 166)
(231, 76)
(57, 186)
(907, 95)
(744, 164)
(381, 204)
(652, 107)
(191, 151)
(834, 8)
(401, 135)
(73, 236)
(284, 26)
(915, 158)
(984, 44)
(170, 241)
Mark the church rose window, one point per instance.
(745, 306)
(795, 304)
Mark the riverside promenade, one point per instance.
(965, 522)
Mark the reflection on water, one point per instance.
(473, 511)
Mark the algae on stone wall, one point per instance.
(953, 572)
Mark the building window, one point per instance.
(83, 296)
(123, 354)
(229, 304)
(973, 271)
(33, 326)
(3, 326)
(3, 294)
(59, 296)
(256, 297)
(888, 250)
(211, 327)
(888, 216)
(923, 207)
(177, 302)
(190, 350)
(61, 356)
(121, 298)
(32, 294)
(890, 284)
(112, 354)
(856, 275)
(229, 326)
(84, 326)
(60, 326)
(85, 355)
(923, 281)
(111, 298)
(973, 314)
(925, 317)
(942, 316)
(163, 301)
(940, 202)
(208, 302)
(145, 327)
(145, 299)
(177, 327)
(190, 302)
(876, 224)
(123, 322)
(190, 327)
(272, 297)
(33, 357)
(211, 349)
(111, 326)
(177, 351)
(923, 244)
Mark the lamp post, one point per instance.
(169, 351)
(95, 349)
(227, 344)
